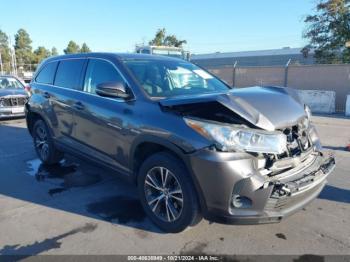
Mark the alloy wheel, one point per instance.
(41, 142)
(163, 194)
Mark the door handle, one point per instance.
(46, 95)
(79, 106)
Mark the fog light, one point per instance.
(241, 202)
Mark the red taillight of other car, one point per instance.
(28, 89)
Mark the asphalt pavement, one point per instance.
(76, 208)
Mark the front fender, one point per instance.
(174, 148)
(180, 152)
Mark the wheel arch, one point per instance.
(148, 145)
(32, 116)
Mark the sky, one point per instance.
(116, 26)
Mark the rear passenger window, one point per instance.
(69, 73)
(47, 74)
(98, 72)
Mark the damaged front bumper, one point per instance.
(222, 176)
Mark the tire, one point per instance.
(161, 202)
(44, 145)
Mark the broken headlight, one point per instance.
(229, 138)
(314, 136)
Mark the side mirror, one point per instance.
(112, 89)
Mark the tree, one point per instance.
(23, 48)
(328, 30)
(161, 38)
(171, 40)
(72, 48)
(5, 52)
(54, 51)
(40, 54)
(85, 48)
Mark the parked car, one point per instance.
(193, 146)
(13, 96)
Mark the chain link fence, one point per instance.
(24, 71)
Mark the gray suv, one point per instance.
(193, 146)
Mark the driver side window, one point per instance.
(98, 72)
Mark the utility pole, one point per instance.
(13, 54)
(234, 73)
(1, 66)
(13, 58)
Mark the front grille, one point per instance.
(13, 101)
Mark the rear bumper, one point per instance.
(222, 175)
(7, 112)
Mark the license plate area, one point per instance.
(17, 110)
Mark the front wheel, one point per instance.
(167, 193)
(44, 145)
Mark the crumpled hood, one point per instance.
(269, 108)
(12, 91)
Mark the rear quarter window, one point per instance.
(69, 72)
(47, 73)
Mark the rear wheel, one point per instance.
(44, 145)
(167, 193)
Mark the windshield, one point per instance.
(9, 82)
(173, 78)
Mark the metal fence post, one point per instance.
(234, 73)
(286, 67)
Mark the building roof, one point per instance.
(271, 52)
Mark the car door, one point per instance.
(101, 122)
(63, 97)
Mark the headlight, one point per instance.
(308, 112)
(2, 102)
(229, 138)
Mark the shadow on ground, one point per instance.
(45, 245)
(74, 185)
(336, 148)
(337, 194)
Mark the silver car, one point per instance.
(13, 97)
